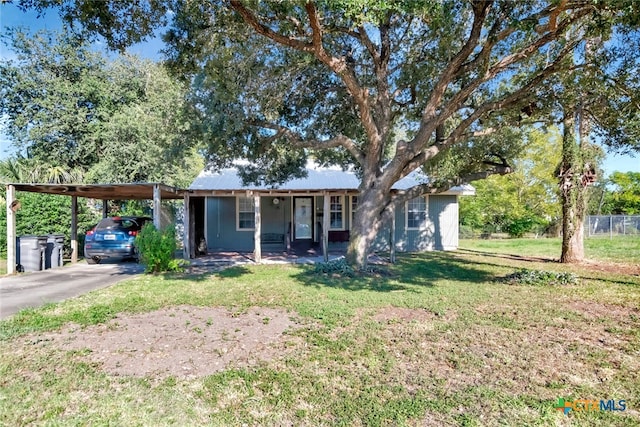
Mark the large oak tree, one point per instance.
(388, 87)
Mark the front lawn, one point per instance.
(439, 339)
(625, 249)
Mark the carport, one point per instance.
(140, 191)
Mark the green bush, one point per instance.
(157, 248)
(518, 225)
(541, 278)
(336, 266)
(466, 232)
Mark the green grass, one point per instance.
(3, 266)
(624, 249)
(478, 351)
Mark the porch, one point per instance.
(268, 226)
(216, 261)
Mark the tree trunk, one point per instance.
(368, 221)
(577, 173)
(573, 225)
(573, 194)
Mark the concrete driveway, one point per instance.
(58, 284)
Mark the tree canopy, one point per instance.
(623, 198)
(523, 201)
(69, 108)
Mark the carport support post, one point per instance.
(11, 230)
(156, 206)
(105, 208)
(258, 229)
(74, 229)
(325, 226)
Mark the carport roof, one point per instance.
(138, 191)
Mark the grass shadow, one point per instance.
(234, 272)
(540, 263)
(202, 273)
(507, 256)
(411, 270)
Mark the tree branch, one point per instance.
(338, 65)
(422, 137)
(298, 142)
(517, 97)
(262, 29)
(346, 73)
(402, 196)
(480, 11)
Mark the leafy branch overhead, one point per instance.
(390, 88)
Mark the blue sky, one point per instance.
(11, 16)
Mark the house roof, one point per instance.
(317, 179)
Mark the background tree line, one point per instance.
(527, 200)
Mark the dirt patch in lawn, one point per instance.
(181, 341)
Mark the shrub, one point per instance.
(44, 214)
(157, 249)
(541, 278)
(518, 225)
(336, 266)
(466, 232)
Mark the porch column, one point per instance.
(74, 229)
(326, 223)
(156, 206)
(392, 235)
(11, 230)
(186, 226)
(257, 251)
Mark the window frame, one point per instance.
(341, 211)
(423, 224)
(238, 211)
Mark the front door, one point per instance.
(303, 218)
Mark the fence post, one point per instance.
(610, 227)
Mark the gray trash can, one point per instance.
(53, 254)
(31, 249)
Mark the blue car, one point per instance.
(113, 237)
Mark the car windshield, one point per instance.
(119, 224)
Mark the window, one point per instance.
(354, 206)
(246, 217)
(336, 209)
(416, 213)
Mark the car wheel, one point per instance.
(94, 260)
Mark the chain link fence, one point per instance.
(613, 225)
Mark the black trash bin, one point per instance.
(31, 250)
(53, 254)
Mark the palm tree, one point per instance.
(24, 170)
